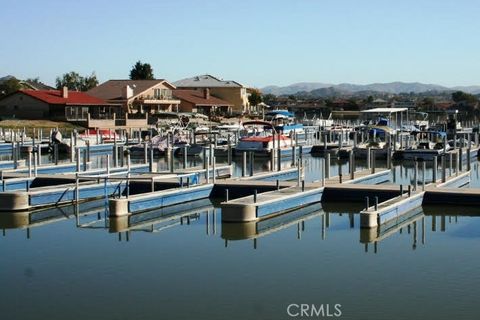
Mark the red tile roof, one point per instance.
(55, 97)
(197, 97)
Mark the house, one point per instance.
(60, 105)
(138, 96)
(231, 91)
(201, 102)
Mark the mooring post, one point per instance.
(444, 168)
(115, 151)
(145, 153)
(255, 196)
(35, 155)
(323, 172)
(229, 150)
(55, 153)
(409, 190)
(214, 160)
(251, 160)
(77, 185)
(72, 148)
(272, 158)
(340, 173)
(244, 163)
(226, 195)
(128, 161)
(450, 163)
(460, 159)
(435, 168)
(327, 166)
(279, 154)
(367, 203)
(84, 160)
(376, 203)
(423, 175)
(171, 159)
(369, 155)
(127, 186)
(401, 190)
(457, 162)
(152, 184)
(469, 166)
(278, 184)
(299, 173)
(207, 172)
(303, 185)
(373, 158)
(389, 158)
(415, 174)
(77, 159)
(476, 139)
(108, 164)
(351, 160)
(185, 155)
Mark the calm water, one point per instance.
(188, 265)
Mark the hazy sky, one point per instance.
(257, 42)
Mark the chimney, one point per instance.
(127, 92)
(65, 92)
(206, 93)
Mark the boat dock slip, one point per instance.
(288, 174)
(265, 204)
(48, 196)
(395, 208)
(261, 228)
(148, 219)
(11, 164)
(157, 199)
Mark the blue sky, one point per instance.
(257, 42)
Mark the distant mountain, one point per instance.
(294, 88)
(391, 87)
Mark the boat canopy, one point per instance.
(285, 113)
(385, 110)
(257, 123)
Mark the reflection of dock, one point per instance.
(257, 229)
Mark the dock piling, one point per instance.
(185, 157)
(327, 166)
(444, 169)
(226, 195)
(367, 203)
(409, 190)
(376, 203)
(244, 163)
(255, 196)
(435, 168)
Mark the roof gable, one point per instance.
(206, 81)
(55, 97)
(112, 89)
(197, 97)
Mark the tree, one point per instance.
(74, 81)
(9, 86)
(33, 80)
(255, 97)
(460, 96)
(141, 71)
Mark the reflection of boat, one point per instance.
(256, 229)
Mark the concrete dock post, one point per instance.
(272, 159)
(323, 172)
(423, 175)
(55, 153)
(435, 168)
(207, 172)
(128, 161)
(145, 153)
(376, 203)
(299, 172)
(327, 166)
(14, 156)
(389, 158)
(251, 160)
(476, 139)
(294, 154)
(340, 175)
(185, 157)
(88, 150)
(367, 203)
(244, 163)
(415, 175)
(152, 184)
(279, 155)
(39, 154)
(108, 164)
(226, 195)
(444, 168)
(171, 159)
(77, 159)
(210, 153)
(278, 184)
(450, 162)
(77, 189)
(35, 155)
(455, 142)
(303, 185)
(229, 150)
(255, 196)
(369, 155)
(469, 159)
(372, 158)
(351, 160)
(409, 191)
(84, 160)
(115, 152)
(72, 149)
(460, 159)
(214, 160)
(401, 190)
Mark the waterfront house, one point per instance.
(59, 105)
(228, 90)
(201, 102)
(145, 97)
